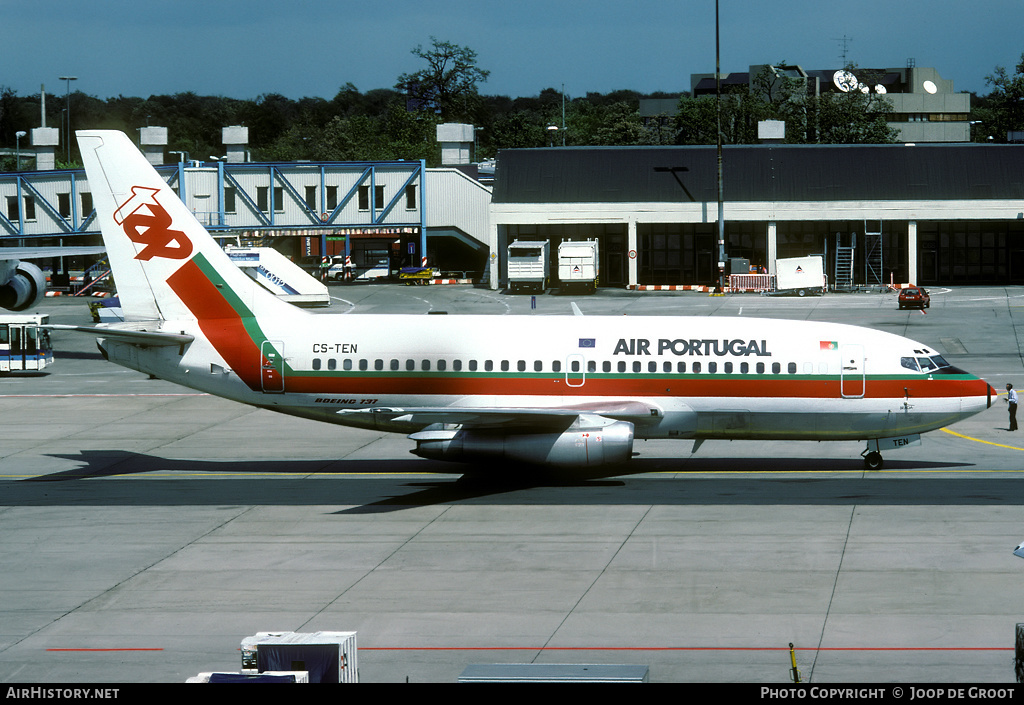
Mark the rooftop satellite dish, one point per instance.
(880, 89)
(930, 87)
(845, 81)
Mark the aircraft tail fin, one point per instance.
(166, 265)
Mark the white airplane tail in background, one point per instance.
(164, 261)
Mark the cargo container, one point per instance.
(329, 657)
(578, 265)
(800, 276)
(528, 266)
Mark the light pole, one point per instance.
(721, 195)
(67, 107)
(17, 140)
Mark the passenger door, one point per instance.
(852, 375)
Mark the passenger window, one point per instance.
(652, 366)
(681, 367)
(442, 365)
(394, 364)
(636, 366)
(712, 367)
(521, 365)
(488, 365)
(347, 364)
(776, 368)
(792, 368)
(457, 365)
(591, 366)
(425, 365)
(363, 365)
(606, 366)
(667, 367)
(622, 365)
(696, 368)
(378, 364)
(316, 363)
(504, 365)
(760, 368)
(556, 365)
(744, 367)
(537, 366)
(410, 365)
(332, 364)
(728, 368)
(472, 365)
(575, 365)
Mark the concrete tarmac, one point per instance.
(146, 529)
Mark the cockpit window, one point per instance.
(910, 363)
(930, 364)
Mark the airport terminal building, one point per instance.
(924, 214)
(879, 214)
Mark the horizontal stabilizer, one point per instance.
(143, 338)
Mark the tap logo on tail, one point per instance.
(146, 222)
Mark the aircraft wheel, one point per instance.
(873, 460)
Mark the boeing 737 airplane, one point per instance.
(563, 391)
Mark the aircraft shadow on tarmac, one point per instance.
(111, 478)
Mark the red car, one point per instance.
(914, 297)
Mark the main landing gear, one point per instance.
(872, 459)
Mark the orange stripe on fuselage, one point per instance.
(647, 385)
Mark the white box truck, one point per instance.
(528, 266)
(800, 276)
(578, 265)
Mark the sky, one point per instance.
(311, 48)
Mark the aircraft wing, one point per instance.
(22, 284)
(548, 418)
(42, 252)
(135, 335)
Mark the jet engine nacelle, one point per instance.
(24, 286)
(574, 448)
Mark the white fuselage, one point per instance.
(697, 377)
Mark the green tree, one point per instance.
(850, 118)
(1002, 111)
(448, 85)
(854, 117)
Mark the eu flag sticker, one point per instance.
(588, 343)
